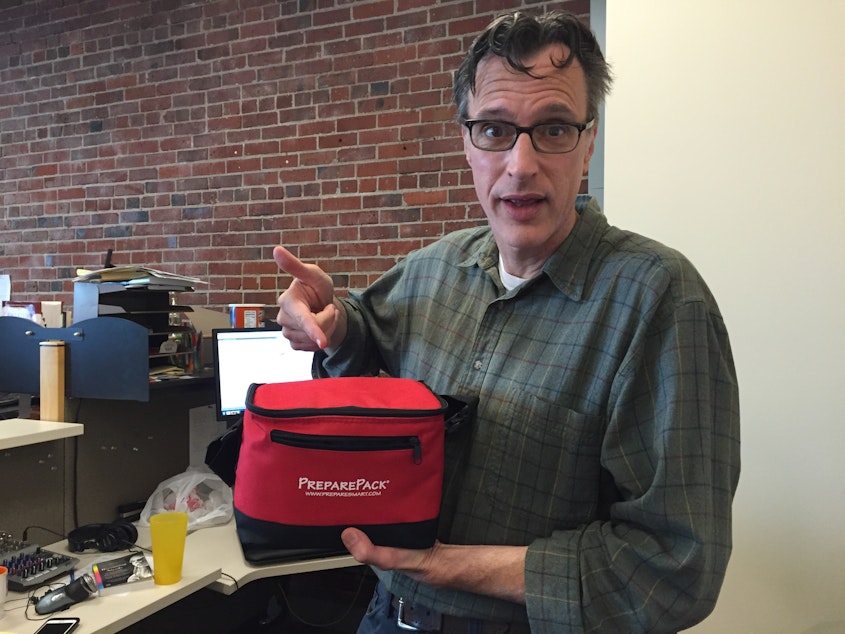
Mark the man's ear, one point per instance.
(467, 144)
(592, 132)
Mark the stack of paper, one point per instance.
(139, 277)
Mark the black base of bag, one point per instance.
(260, 540)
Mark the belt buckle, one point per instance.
(400, 619)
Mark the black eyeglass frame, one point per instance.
(581, 127)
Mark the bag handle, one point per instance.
(459, 411)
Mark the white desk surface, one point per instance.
(16, 432)
(213, 559)
(113, 611)
(220, 545)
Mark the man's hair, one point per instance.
(518, 36)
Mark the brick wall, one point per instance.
(195, 138)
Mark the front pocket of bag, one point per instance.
(350, 443)
(341, 479)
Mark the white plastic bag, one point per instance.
(200, 493)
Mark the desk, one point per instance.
(18, 432)
(210, 553)
(219, 544)
(51, 479)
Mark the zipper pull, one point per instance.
(416, 446)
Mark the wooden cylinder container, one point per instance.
(52, 397)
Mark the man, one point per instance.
(594, 490)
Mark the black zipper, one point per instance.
(349, 443)
(348, 410)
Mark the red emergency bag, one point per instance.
(319, 456)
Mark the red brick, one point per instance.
(329, 128)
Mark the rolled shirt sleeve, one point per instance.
(671, 447)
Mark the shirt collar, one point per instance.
(567, 267)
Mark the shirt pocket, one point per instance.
(543, 467)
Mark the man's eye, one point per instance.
(493, 130)
(555, 130)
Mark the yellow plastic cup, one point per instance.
(168, 532)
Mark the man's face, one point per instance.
(529, 197)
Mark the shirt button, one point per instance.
(477, 365)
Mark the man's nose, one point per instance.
(522, 157)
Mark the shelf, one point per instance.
(145, 306)
(17, 432)
(165, 355)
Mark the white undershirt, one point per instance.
(510, 281)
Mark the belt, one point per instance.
(418, 618)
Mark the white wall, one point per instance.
(725, 138)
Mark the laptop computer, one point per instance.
(243, 356)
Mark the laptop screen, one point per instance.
(243, 356)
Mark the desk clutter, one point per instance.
(32, 568)
(145, 296)
(14, 405)
(125, 331)
(30, 565)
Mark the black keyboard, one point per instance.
(30, 565)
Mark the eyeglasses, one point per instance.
(548, 138)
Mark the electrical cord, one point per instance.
(42, 528)
(75, 467)
(235, 581)
(31, 599)
(9, 604)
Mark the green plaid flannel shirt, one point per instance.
(607, 434)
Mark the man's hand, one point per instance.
(310, 315)
(498, 571)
